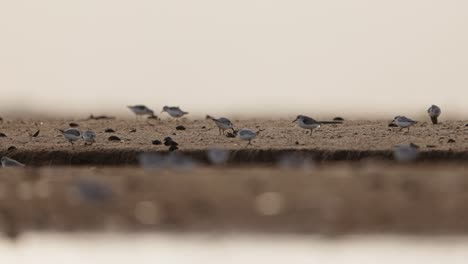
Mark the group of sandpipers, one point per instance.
(223, 124)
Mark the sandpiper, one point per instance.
(7, 162)
(89, 137)
(222, 123)
(310, 123)
(71, 134)
(403, 122)
(434, 112)
(247, 135)
(174, 111)
(140, 110)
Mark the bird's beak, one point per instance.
(294, 120)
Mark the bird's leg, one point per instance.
(219, 131)
(408, 129)
(311, 132)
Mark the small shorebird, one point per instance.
(403, 122)
(140, 110)
(71, 134)
(89, 137)
(7, 162)
(434, 112)
(174, 111)
(222, 123)
(310, 123)
(247, 135)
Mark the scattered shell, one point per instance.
(36, 134)
(156, 142)
(114, 138)
(180, 128)
(109, 130)
(73, 125)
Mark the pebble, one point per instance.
(180, 128)
(133, 130)
(451, 141)
(36, 134)
(10, 148)
(338, 118)
(73, 125)
(114, 138)
(156, 142)
(2, 135)
(109, 130)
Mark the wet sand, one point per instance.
(352, 140)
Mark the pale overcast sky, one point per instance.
(258, 57)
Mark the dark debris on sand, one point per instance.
(74, 125)
(180, 128)
(2, 134)
(109, 130)
(114, 138)
(156, 142)
(100, 117)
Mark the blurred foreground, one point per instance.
(330, 199)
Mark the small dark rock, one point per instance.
(133, 130)
(466, 125)
(114, 138)
(203, 127)
(156, 142)
(36, 134)
(338, 119)
(11, 148)
(297, 142)
(180, 128)
(73, 125)
(2, 135)
(167, 139)
(174, 134)
(392, 125)
(430, 146)
(173, 147)
(230, 135)
(451, 141)
(109, 130)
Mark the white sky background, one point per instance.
(256, 57)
